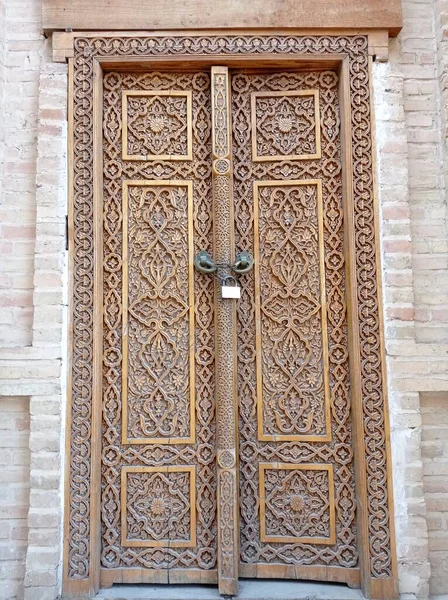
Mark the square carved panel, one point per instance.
(157, 125)
(285, 125)
(297, 503)
(158, 507)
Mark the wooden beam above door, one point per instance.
(221, 14)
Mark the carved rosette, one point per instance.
(157, 125)
(159, 507)
(285, 125)
(86, 51)
(297, 503)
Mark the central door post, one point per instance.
(225, 335)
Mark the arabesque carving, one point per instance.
(157, 125)
(298, 324)
(150, 214)
(225, 336)
(292, 352)
(286, 125)
(115, 455)
(297, 503)
(158, 312)
(159, 507)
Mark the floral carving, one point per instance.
(292, 357)
(297, 504)
(224, 335)
(158, 508)
(159, 337)
(285, 125)
(157, 125)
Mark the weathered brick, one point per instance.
(414, 241)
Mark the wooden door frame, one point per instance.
(91, 54)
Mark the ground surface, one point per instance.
(248, 590)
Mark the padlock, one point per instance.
(230, 291)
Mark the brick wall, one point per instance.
(423, 103)
(410, 107)
(14, 495)
(22, 41)
(411, 100)
(396, 238)
(33, 288)
(2, 83)
(434, 407)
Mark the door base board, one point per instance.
(249, 589)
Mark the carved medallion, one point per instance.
(297, 503)
(158, 507)
(157, 125)
(286, 125)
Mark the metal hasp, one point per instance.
(204, 263)
(243, 263)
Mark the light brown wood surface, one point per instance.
(225, 336)
(375, 587)
(201, 14)
(63, 49)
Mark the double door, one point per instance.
(227, 444)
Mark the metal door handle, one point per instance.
(243, 263)
(205, 263)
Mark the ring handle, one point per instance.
(243, 263)
(204, 263)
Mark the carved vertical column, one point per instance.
(225, 320)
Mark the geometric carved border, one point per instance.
(300, 501)
(190, 438)
(166, 498)
(159, 124)
(285, 125)
(81, 484)
(326, 436)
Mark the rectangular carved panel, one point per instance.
(157, 125)
(158, 312)
(292, 342)
(285, 125)
(158, 507)
(297, 503)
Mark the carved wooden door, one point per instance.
(205, 161)
(158, 505)
(297, 489)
